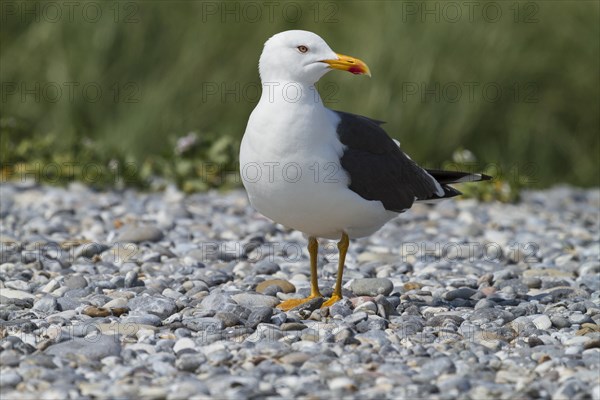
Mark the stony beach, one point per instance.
(124, 294)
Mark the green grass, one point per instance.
(158, 66)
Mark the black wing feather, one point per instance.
(447, 177)
(379, 170)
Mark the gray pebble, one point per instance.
(9, 379)
(459, 383)
(76, 282)
(532, 282)
(372, 323)
(64, 304)
(241, 312)
(438, 366)
(485, 315)
(579, 318)
(138, 234)
(142, 318)
(462, 293)
(341, 308)
(89, 250)
(131, 280)
(189, 362)
(10, 358)
(368, 307)
(228, 319)
(208, 324)
(266, 267)
(542, 322)
(184, 344)
(457, 327)
(46, 304)
(215, 301)
(309, 306)
(252, 300)
(92, 347)
(259, 315)
(560, 322)
(375, 338)
(292, 326)
(484, 303)
(279, 318)
(78, 293)
(355, 318)
(371, 286)
(159, 306)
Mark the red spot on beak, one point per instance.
(356, 70)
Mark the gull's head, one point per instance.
(302, 56)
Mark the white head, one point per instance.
(304, 57)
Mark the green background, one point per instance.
(117, 83)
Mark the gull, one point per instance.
(329, 174)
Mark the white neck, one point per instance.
(282, 92)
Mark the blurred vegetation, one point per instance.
(139, 93)
(503, 187)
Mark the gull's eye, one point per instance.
(302, 49)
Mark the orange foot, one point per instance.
(333, 299)
(293, 303)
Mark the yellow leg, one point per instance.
(313, 250)
(342, 245)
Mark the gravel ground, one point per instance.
(134, 295)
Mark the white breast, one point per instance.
(290, 167)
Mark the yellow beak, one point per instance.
(350, 64)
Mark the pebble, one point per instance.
(285, 286)
(252, 300)
(342, 384)
(484, 303)
(189, 363)
(259, 315)
(592, 344)
(215, 301)
(228, 319)
(560, 321)
(371, 286)
(357, 317)
(76, 282)
(65, 304)
(10, 378)
(45, 304)
(163, 314)
(131, 280)
(341, 308)
(486, 315)
(184, 344)
(119, 302)
(15, 294)
(142, 319)
(368, 307)
(579, 318)
(51, 286)
(542, 322)
(266, 267)
(292, 326)
(139, 234)
(208, 324)
(309, 306)
(159, 306)
(533, 282)
(91, 347)
(438, 366)
(461, 293)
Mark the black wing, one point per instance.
(379, 170)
